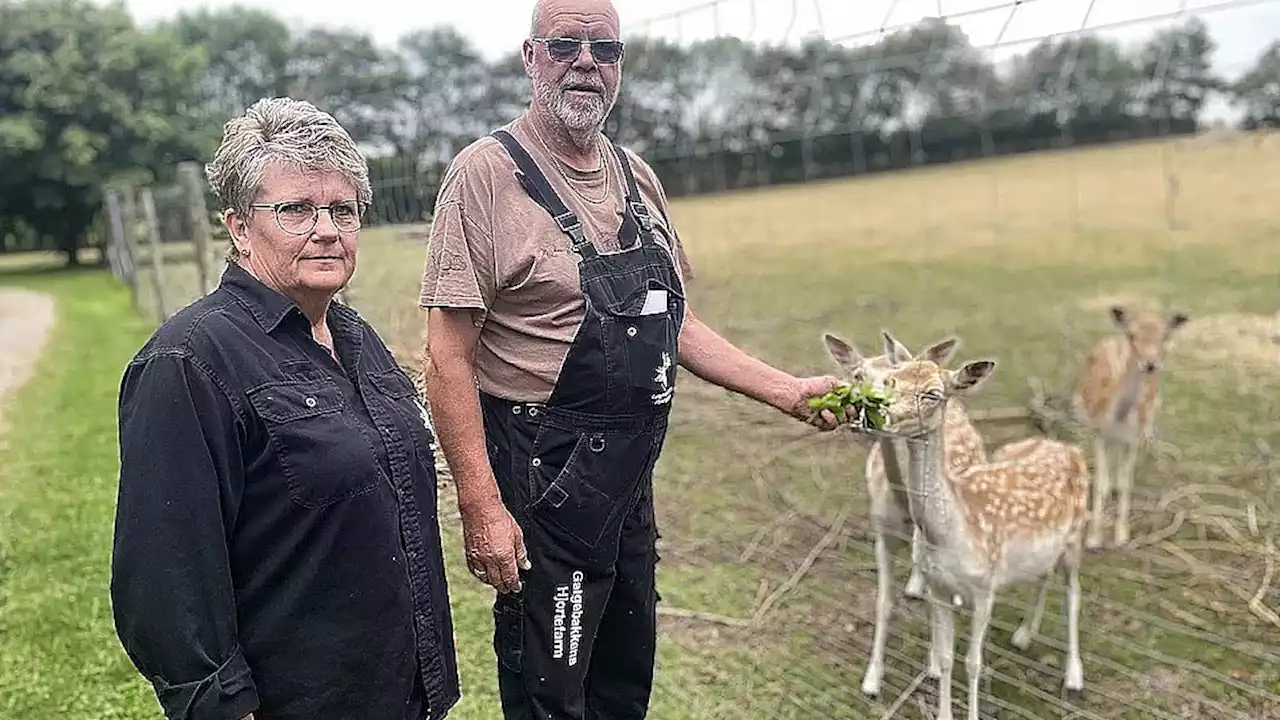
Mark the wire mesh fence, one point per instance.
(769, 574)
(772, 573)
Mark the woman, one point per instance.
(277, 551)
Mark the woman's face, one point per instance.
(308, 267)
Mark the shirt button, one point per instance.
(536, 462)
(310, 402)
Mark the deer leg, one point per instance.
(1031, 623)
(915, 581)
(1073, 679)
(943, 649)
(1124, 487)
(982, 603)
(1101, 491)
(886, 546)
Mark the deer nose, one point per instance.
(1151, 366)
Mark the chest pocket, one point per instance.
(396, 387)
(644, 330)
(322, 453)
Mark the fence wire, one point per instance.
(1181, 622)
(768, 577)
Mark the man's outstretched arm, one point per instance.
(711, 357)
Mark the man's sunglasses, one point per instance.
(605, 52)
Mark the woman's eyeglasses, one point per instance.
(605, 52)
(300, 217)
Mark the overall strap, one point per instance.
(637, 211)
(536, 185)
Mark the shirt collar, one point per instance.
(270, 308)
(267, 306)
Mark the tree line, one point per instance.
(88, 98)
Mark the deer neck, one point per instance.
(1130, 389)
(934, 505)
(894, 455)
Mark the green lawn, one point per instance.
(1020, 257)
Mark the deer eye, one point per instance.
(932, 395)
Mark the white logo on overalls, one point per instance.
(660, 377)
(567, 595)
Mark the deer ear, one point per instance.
(971, 375)
(842, 351)
(941, 352)
(1119, 316)
(1177, 320)
(894, 350)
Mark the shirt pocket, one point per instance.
(322, 453)
(398, 390)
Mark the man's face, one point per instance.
(579, 91)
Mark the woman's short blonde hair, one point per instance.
(293, 132)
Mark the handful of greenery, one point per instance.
(868, 403)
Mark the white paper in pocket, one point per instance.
(655, 303)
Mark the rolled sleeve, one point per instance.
(181, 481)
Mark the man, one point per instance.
(554, 284)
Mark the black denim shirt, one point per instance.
(277, 548)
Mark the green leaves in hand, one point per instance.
(868, 404)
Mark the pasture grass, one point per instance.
(1020, 257)
(59, 656)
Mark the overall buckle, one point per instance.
(571, 226)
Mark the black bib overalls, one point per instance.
(576, 472)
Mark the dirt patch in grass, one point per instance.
(26, 319)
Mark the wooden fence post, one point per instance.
(111, 204)
(120, 221)
(131, 242)
(190, 175)
(157, 252)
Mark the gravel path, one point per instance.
(26, 319)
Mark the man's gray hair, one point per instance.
(293, 132)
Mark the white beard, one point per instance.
(582, 116)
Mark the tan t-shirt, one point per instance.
(494, 250)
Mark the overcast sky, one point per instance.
(1241, 29)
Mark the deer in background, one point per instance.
(886, 482)
(1118, 397)
(988, 526)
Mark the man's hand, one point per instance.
(494, 545)
(797, 405)
(797, 402)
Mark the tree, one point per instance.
(441, 95)
(1259, 90)
(344, 73)
(1176, 77)
(86, 97)
(247, 55)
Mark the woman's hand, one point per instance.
(494, 545)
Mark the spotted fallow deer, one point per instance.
(991, 525)
(1118, 397)
(886, 483)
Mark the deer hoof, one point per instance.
(1022, 638)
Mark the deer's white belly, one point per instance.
(1031, 558)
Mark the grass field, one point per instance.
(1019, 257)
